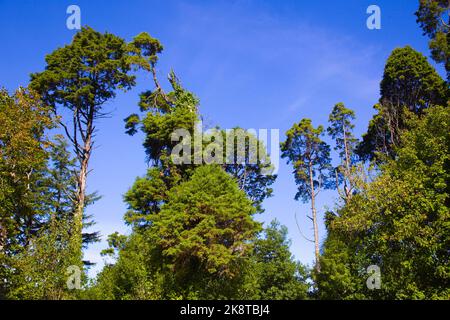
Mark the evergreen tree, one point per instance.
(206, 224)
(246, 159)
(409, 83)
(341, 130)
(167, 112)
(399, 222)
(59, 187)
(81, 77)
(310, 157)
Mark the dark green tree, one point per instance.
(246, 159)
(206, 224)
(199, 246)
(167, 113)
(177, 110)
(399, 222)
(409, 83)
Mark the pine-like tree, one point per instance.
(310, 158)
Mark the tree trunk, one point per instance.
(81, 192)
(314, 218)
(347, 184)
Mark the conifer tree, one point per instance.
(81, 77)
(409, 83)
(310, 158)
(341, 130)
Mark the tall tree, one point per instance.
(23, 156)
(409, 83)
(24, 144)
(341, 130)
(399, 222)
(81, 77)
(310, 157)
(167, 112)
(59, 191)
(433, 17)
(198, 246)
(206, 253)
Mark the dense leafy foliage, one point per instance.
(434, 18)
(399, 222)
(409, 83)
(194, 233)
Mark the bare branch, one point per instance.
(300, 231)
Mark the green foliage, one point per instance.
(400, 222)
(40, 271)
(341, 130)
(162, 120)
(268, 271)
(433, 18)
(60, 190)
(206, 224)
(251, 166)
(409, 83)
(194, 235)
(135, 275)
(144, 51)
(340, 276)
(165, 113)
(23, 156)
(279, 276)
(310, 157)
(83, 75)
(38, 185)
(192, 223)
(146, 197)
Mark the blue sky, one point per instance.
(254, 64)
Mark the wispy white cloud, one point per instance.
(292, 63)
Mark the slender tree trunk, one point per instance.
(347, 184)
(314, 218)
(83, 157)
(81, 192)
